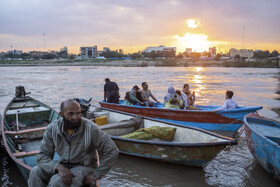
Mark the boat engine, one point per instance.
(85, 104)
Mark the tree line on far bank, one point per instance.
(153, 55)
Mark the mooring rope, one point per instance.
(227, 124)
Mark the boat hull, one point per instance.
(230, 120)
(264, 147)
(191, 155)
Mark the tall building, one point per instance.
(244, 53)
(89, 52)
(212, 51)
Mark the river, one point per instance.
(235, 167)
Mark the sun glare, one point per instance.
(192, 23)
(198, 42)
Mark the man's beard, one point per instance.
(71, 125)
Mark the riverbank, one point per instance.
(144, 63)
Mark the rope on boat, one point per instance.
(238, 133)
(227, 124)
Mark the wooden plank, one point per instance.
(25, 154)
(27, 110)
(24, 104)
(25, 131)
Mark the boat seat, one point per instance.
(27, 110)
(25, 154)
(25, 104)
(25, 131)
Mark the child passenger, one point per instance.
(229, 103)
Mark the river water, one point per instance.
(235, 167)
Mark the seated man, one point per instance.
(188, 98)
(78, 142)
(146, 93)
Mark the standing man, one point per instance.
(111, 91)
(146, 94)
(78, 142)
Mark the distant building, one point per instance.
(16, 52)
(243, 53)
(189, 50)
(212, 51)
(63, 52)
(64, 49)
(99, 53)
(160, 48)
(89, 52)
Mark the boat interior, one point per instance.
(268, 129)
(120, 124)
(24, 123)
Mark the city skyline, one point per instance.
(133, 26)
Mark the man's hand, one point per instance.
(65, 174)
(89, 179)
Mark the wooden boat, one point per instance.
(190, 146)
(263, 139)
(205, 118)
(23, 123)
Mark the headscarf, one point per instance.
(170, 94)
(134, 87)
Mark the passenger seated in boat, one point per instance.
(146, 94)
(131, 97)
(179, 93)
(79, 164)
(172, 99)
(229, 103)
(188, 98)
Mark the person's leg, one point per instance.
(38, 177)
(115, 97)
(152, 103)
(146, 103)
(109, 97)
(79, 171)
(56, 181)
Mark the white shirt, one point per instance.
(229, 104)
(185, 100)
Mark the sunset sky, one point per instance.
(134, 25)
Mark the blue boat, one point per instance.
(263, 139)
(205, 118)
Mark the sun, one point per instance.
(192, 23)
(198, 42)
